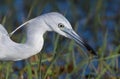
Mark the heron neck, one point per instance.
(32, 46)
(35, 32)
(35, 39)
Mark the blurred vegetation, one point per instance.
(96, 20)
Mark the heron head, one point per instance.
(58, 23)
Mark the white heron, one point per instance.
(35, 29)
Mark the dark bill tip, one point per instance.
(79, 40)
(89, 48)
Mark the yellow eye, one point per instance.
(60, 25)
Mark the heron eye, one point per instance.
(60, 25)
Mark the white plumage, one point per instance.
(35, 29)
